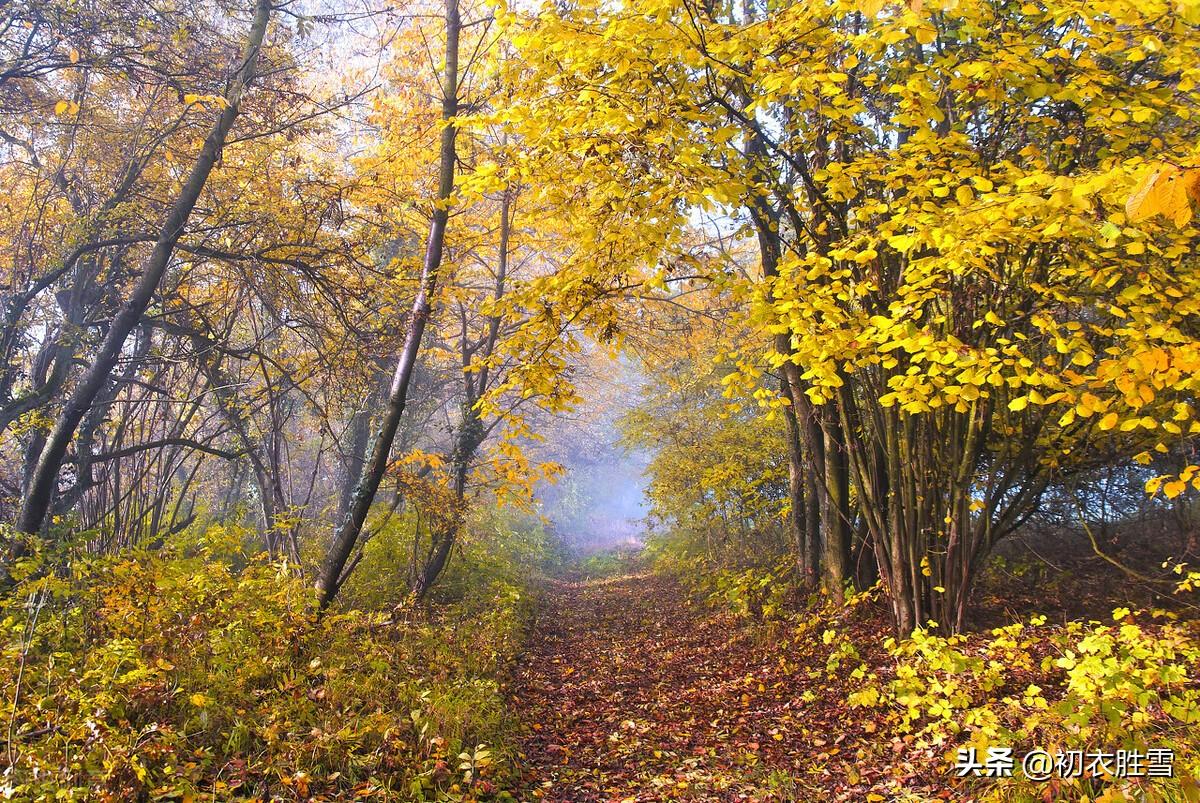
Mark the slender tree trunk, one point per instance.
(836, 512)
(86, 437)
(37, 498)
(471, 433)
(356, 450)
(330, 578)
(806, 447)
(798, 482)
(470, 436)
(270, 492)
(57, 359)
(812, 521)
(232, 491)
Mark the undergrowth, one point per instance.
(195, 670)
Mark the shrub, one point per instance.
(169, 674)
(1129, 685)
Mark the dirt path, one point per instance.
(631, 693)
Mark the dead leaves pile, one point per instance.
(630, 691)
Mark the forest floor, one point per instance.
(632, 691)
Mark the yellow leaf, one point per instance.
(1018, 404)
(964, 195)
(1182, 209)
(1174, 488)
(1109, 421)
(1162, 191)
(1135, 206)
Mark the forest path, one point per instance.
(629, 691)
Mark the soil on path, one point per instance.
(632, 692)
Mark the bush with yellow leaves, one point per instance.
(187, 671)
(1129, 685)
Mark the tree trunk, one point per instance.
(471, 433)
(270, 491)
(470, 436)
(330, 578)
(806, 450)
(836, 511)
(356, 455)
(798, 487)
(359, 431)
